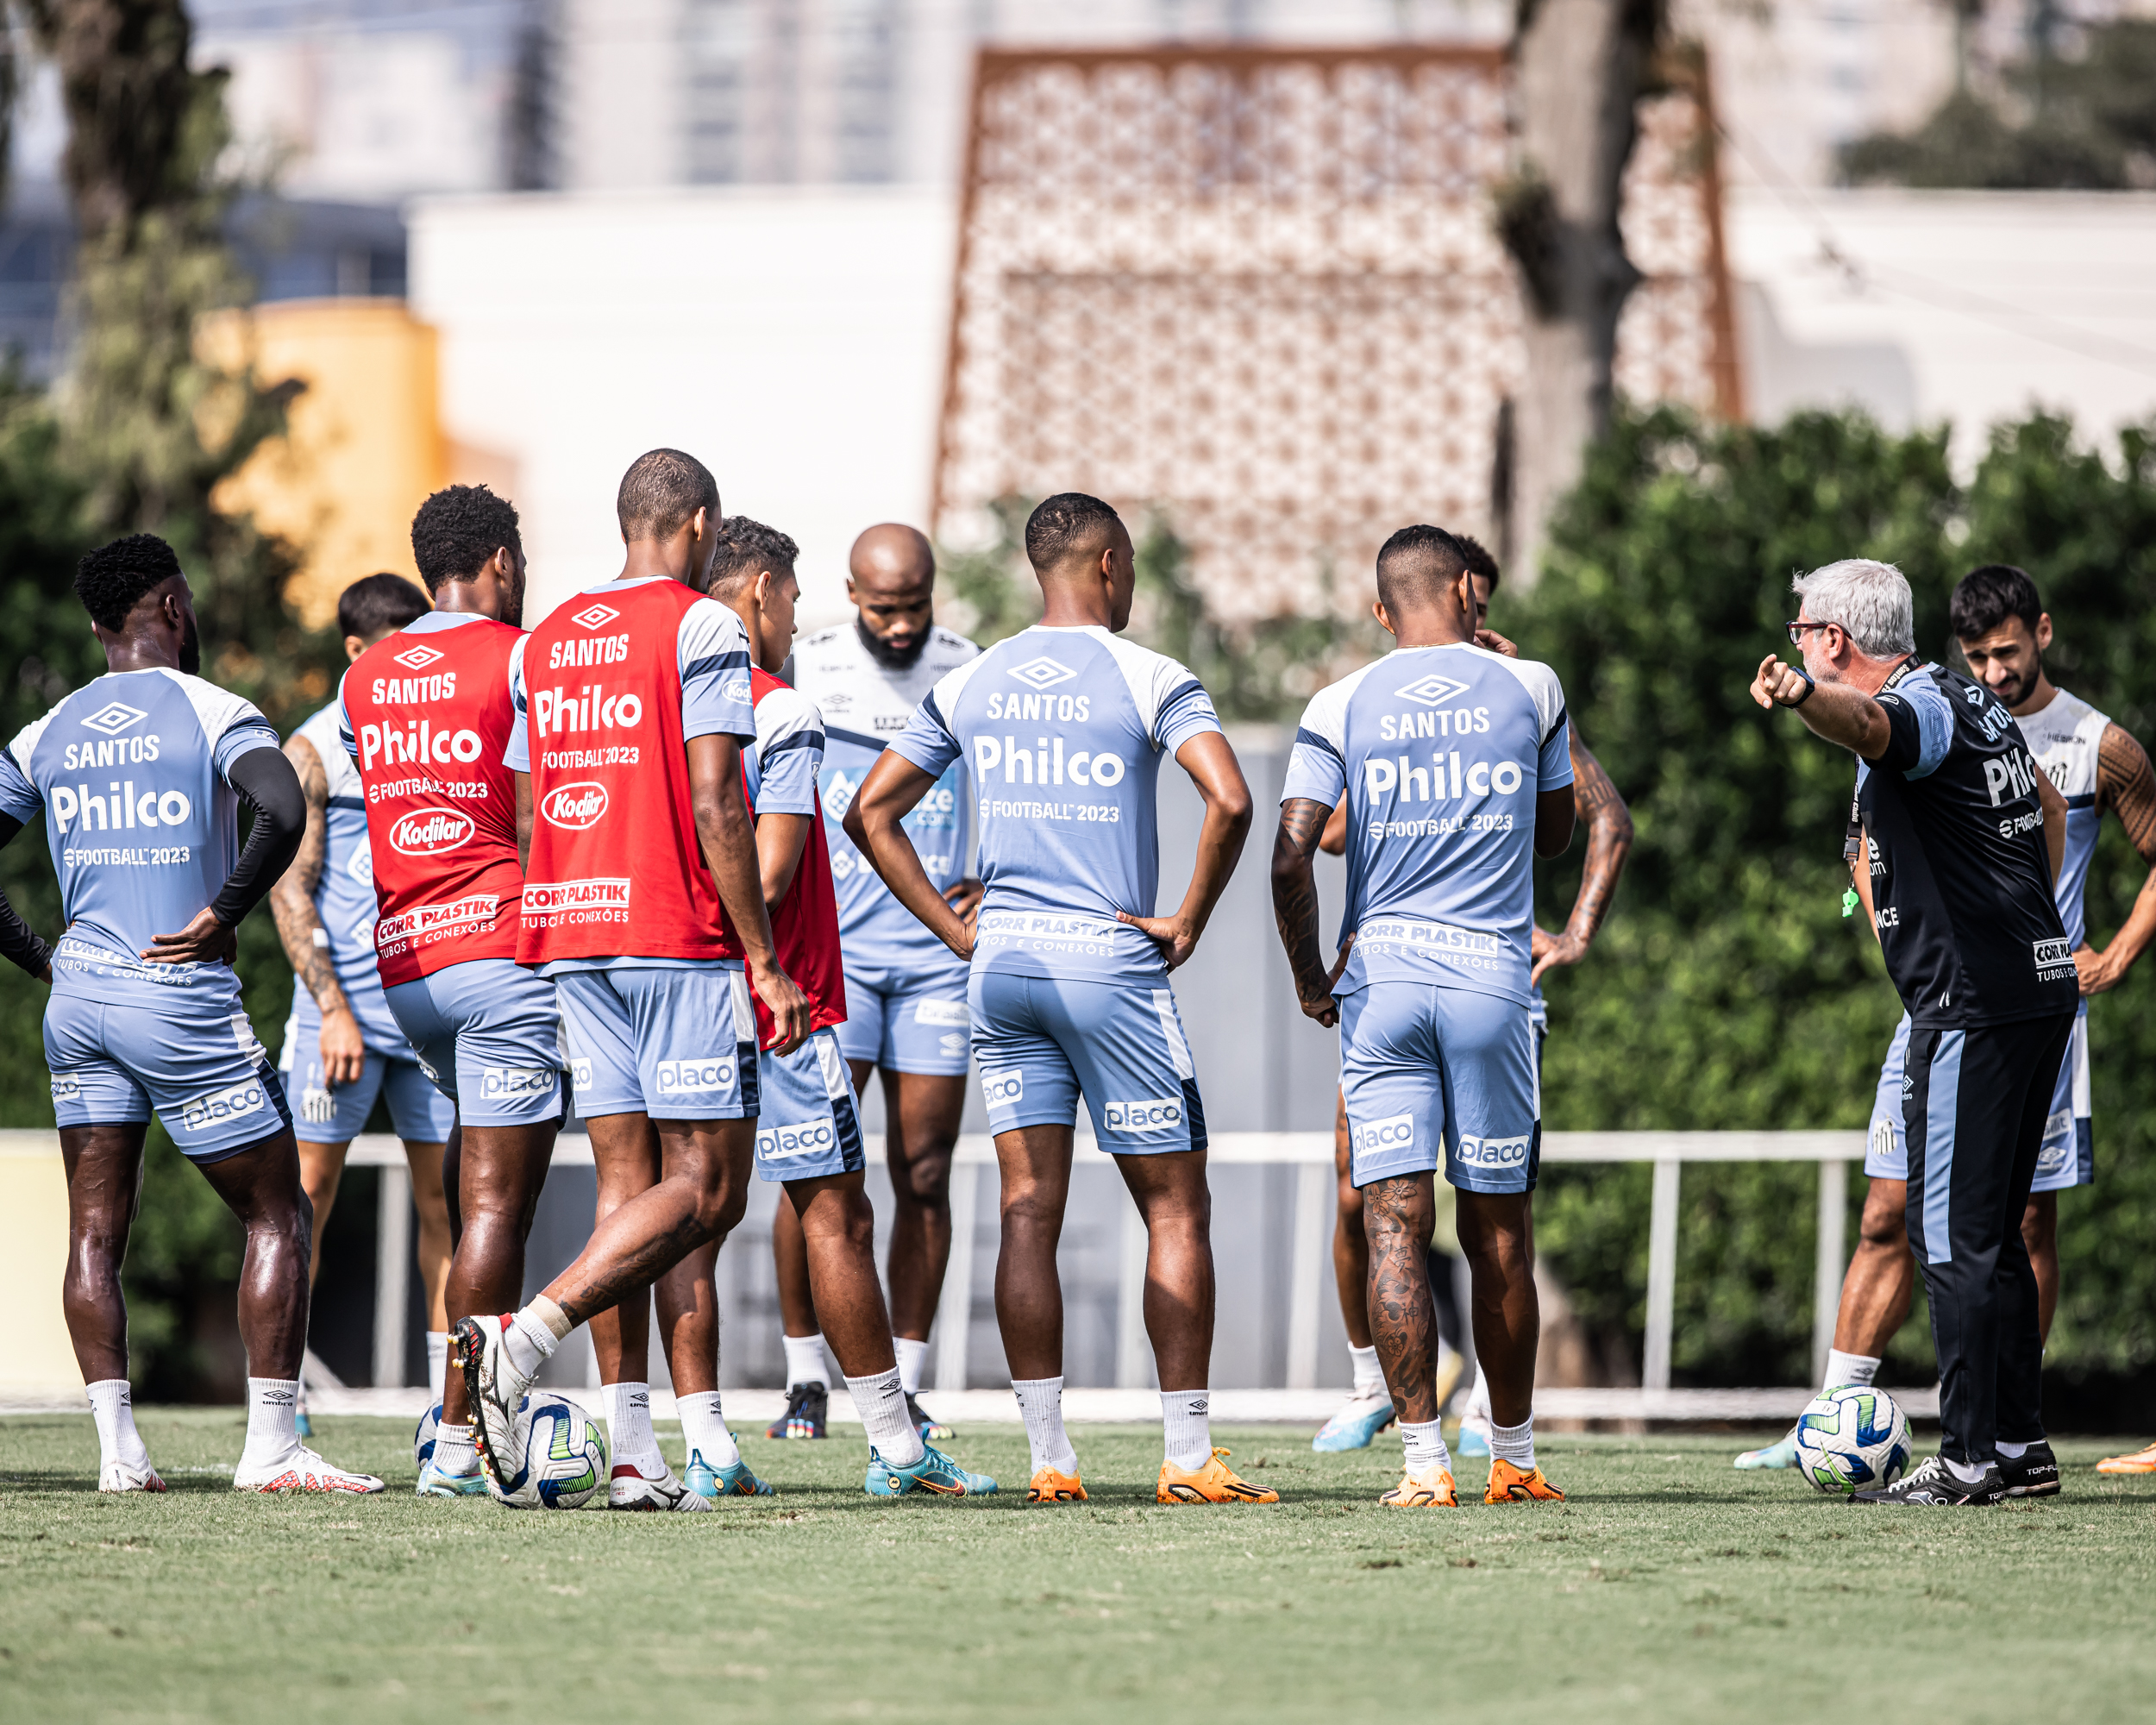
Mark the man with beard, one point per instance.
(139, 775)
(906, 992)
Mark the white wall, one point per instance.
(792, 341)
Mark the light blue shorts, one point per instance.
(907, 1020)
(806, 1123)
(1422, 1065)
(418, 1112)
(2068, 1156)
(1041, 1043)
(489, 1034)
(194, 1062)
(676, 1044)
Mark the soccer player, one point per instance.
(643, 900)
(1963, 836)
(808, 1134)
(342, 1048)
(425, 716)
(145, 1010)
(1369, 1409)
(1998, 619)
(1064, 725)
(906, 992)
(1456, 766)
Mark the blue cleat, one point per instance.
(1474, 1436)
(1782, 1454)
(1360, 1419)
(934, 1473)
(709, 1481)
(302, 1427)
(433, 1483)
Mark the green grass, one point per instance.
(1670, 1588)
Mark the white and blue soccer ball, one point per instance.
(423, 1439)
(1853, 1439)
(566, 1463)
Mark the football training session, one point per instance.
(875, 859)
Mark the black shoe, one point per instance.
(2033, 1473)
(806, 1407)
(930, 1428)
(1931, 1484)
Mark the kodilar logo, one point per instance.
(428, 831)
(580, 805)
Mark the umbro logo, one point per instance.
(417, 658)
(1432, 691)
(113, 718)
(1040, 674)
(593, 616)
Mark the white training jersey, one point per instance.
(1440, 752)
(866, 706)
(1064, 728)
(2064, 738)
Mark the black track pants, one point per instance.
(1973, 1105)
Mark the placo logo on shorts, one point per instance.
(579, 805)
(428, 831)
(67, 1088)
(1003, 1089)
(593, 616)
(803, 1138)
(952, 1012)
(1432, 691)
(499, 1081)
(580, 1075)
(716, 1073)
(1042, 673)
(220, 1106)
(113, 718)
(1148, 1114)
(417, 658)
(1493, 1152)
(1377, 1137)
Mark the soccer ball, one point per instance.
(423, 1439)
(565, 1465)
(1852, 1438)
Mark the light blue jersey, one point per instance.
(344, 895)
(130, 772)
(2065, 739)
(1440, 752)
(1063, 729)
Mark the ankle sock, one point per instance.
(703, 1429)
(1369, 1376)
(531, 1336)
(1041, 1403)
(112, 1406)
(273, 1409)
(880, 1401)
(1187, 1428)
(913, 1355)
(1477, 1408)
(2010, 1451)
(1515, 1443)
(1846, 1369)
(629, 1420)
(1965, 1473)
(1425, 1446)
(455, 1451)
(804, 1362)
(437, 1362)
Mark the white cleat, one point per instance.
(631, 1487)
(304, 1471)
(119, 1475)
(501, 1424)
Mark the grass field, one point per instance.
(1670, 1588)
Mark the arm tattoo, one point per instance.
(1397, 1215)
(1608, 841)
(1296, 893)
(292, 899)
(2130, 787)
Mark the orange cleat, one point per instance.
(1432, 1491)
(1051, 1486)
(1214, 1482)
(1510, 1485)
(2141, 1461)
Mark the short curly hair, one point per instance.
(112, 581)
(457, 530)
(748, 548)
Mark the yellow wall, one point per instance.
(36, 1360)
(365, 443)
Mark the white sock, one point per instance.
(533, 1334)
(1186, 1428)
(1369, 1376)
(1515, 1443)
(1425, 1445)
(454, 1452)
(1478, 1398)
(913, 1355)
(1967, 1472)
(299, 1396)
(1845, 1369)
(880, 1401)
(629, 1420)
(703, 1429)
(2011, 1451)
(804, 1360)
(112, 1406)
(272, 1408)
(1041, 1403)
(437, 1362)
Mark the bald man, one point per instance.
(906, 992)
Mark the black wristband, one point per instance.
(1808, 687)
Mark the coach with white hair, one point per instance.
(1962, 837)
